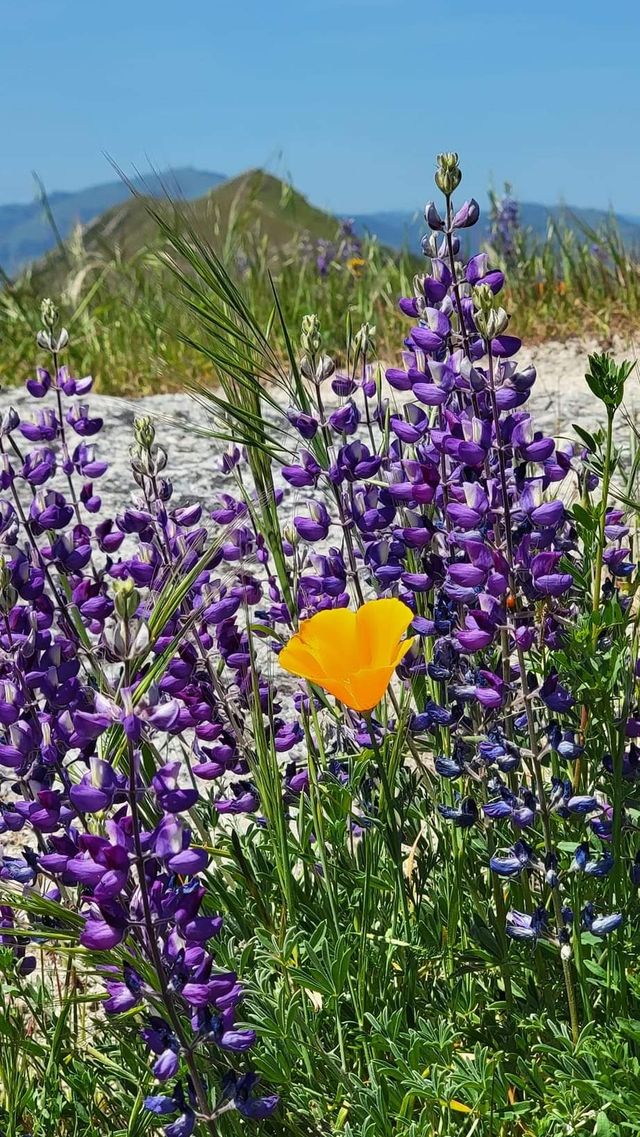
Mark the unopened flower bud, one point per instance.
(48, 313)
(9, 420)
(160, 458)
(325, 368)
(290, 534)
(448, 174)
(47, 340)
(310, 338)
(8, 594)
(127, 598)
(365, 338)
(492, 324)
(501, 322)
(307, 368)
(429, 245)
(467, 215)
(126, 641)
(483, 298)
(490, 320)
(419, 293)
(145, 432)
(230, 458)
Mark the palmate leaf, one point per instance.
(606, 379)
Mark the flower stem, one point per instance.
(396, 839)
(606, 479)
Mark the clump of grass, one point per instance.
(576, 281)
(129, 314)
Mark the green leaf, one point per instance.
(587, 438)
(586, 518)
(603, 1126)
(606, 379)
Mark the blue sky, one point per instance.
(350, 98)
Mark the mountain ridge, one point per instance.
(26, 236)
(254, 203)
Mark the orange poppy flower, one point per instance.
(351, 654)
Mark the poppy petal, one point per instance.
(403, 648)
(298, 660)
(368, 687)
(331, 637)
(380, 625)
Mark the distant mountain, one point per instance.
(255, 203)
(26, 233)
(400, 229)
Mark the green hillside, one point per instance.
(252, 207)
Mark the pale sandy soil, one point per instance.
(561, 396)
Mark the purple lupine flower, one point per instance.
(463, 815)
(172, 797)
(50, 510)
(556, 697)
(504, 222)
(78, 418)
(512, 861)
(39, 466)
(164, 1105)
(315, 527)
(305, 424)
(241, 1090)
(345, 419)
(163, 1043)
(303, 475)
(39, 386)
(71, 386)
(599, 925)
(584, 862)
(44, 429)
(521, 926)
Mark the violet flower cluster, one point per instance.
(100, 674)
(504, 223)
(136, 679)
(345, 249)
(446, 495)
